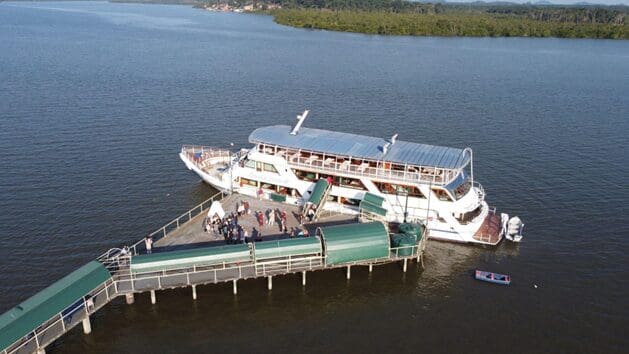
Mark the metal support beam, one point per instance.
(303, 278)
(153, 299)
(130, 298)
(194, 292)
(349, 274)
(87, 326)
(235, 287)
(270, 283)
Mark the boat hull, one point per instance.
(493, 278)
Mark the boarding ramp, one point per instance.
(44, 317)
(371, 208)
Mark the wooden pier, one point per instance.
(186, 232)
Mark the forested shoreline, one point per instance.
(397, 17)
(462, 23)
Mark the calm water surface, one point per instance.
(96, 100)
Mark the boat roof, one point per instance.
(361, 146)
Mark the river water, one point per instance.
(97, 98)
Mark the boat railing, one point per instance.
(202, 156)
(480, 191)
(368, 171)
(209, 151)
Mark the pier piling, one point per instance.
(349, 274)
(87, 325)
(194, 292)
(153, 299)
(303, 278)
(235, 287)
(270, 283)
(130, 298)
(405, 264)
(370, 268)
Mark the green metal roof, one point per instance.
(287, 247)
(187, 258)
(355, 242)
(371, 208)
(39, 308)
(318, 191)
(373, 199)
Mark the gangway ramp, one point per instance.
(44, 317)
(371, 208)
(318, 197)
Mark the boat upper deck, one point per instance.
(358, 155)
(361, 146)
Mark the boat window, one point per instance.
(459, 186)
(269, 168)
(442, 194)
(305, 176)
(249, 182)
(250, 163)
(349, 182)
(390, 188)
(462, 190)
(268, 186)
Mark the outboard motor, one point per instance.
(514, 229)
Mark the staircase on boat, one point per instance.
(317, 200)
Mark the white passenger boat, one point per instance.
(408, 181)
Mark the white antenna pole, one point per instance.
(300, 120)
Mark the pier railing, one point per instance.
(131, 282)
(163, 231)
(178, 221)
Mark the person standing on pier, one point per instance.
(271, 217)
(260, 218)
(284, 221)
(148, 242)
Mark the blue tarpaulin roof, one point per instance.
(361, 146)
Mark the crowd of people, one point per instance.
(233, 232)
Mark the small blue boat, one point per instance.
(493, 277)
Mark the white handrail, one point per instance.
(378, 172)
(166, 229)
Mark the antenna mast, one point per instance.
(300, 120)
